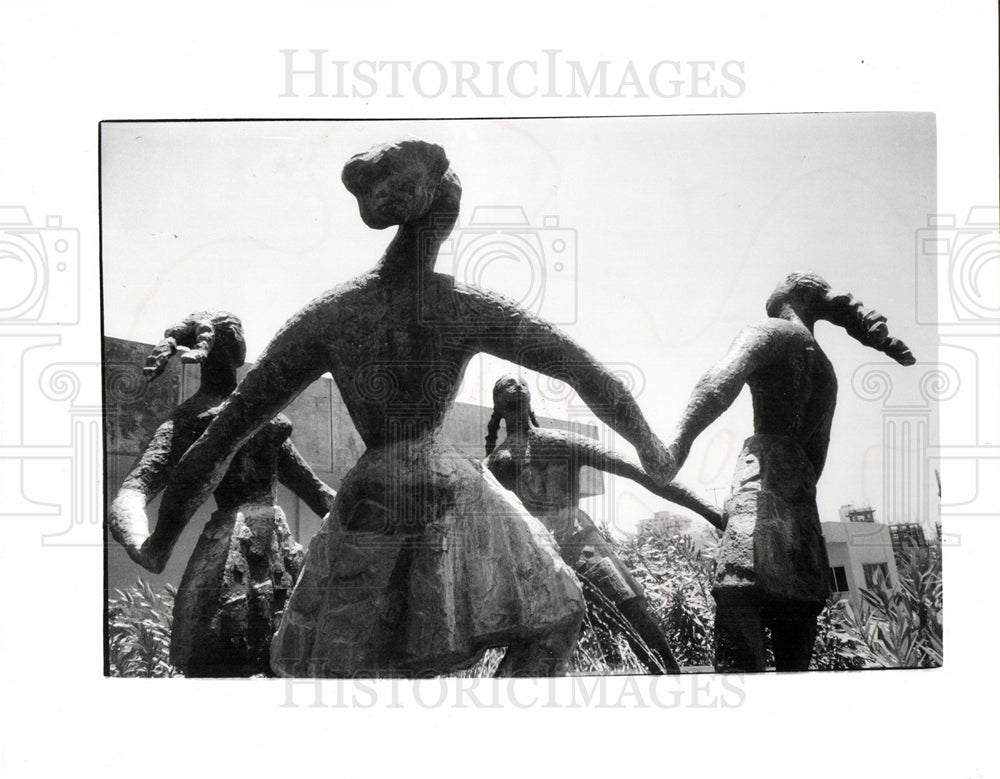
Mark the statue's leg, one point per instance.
(792, 639)
(651, 633)
(739, 634)
(595, 560)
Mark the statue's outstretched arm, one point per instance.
(127, 519)
(721, 385)
(588, 452)
(501, 328)
(291, 362)
(294, 472)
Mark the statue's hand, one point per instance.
(659, 462)
(329, 498)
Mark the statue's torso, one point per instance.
(539, 469)
(795, 394)
(397, 355)
(253, 472)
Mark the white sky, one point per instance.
(681, 227)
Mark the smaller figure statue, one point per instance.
(542, 467)
(772, 568)
(245, 564)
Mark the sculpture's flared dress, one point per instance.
(424, 561)
(240, 576)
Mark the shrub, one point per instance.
(839, 646)
(677, 579)
(607, 639)
(139, 621)
(899, 628)
(903, 628)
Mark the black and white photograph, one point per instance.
(685, 342)
(398, 389)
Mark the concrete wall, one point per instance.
(323, 433)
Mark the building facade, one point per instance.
(860, 552)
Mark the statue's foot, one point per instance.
(134, 549)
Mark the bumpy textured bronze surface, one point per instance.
(772, 568)
(245, 563)
(397, 341)
(542, 467)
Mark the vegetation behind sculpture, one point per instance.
(901, 629)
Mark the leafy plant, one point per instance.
(903, 628)
(839, 646)
(900, 628)
(677, 579)
(139, 622)
(608, 640)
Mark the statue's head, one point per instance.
(806, 293)
(511, 393)
(212, 338)
(511, 397)
(808, 297)
(396, 183)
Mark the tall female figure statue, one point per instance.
(542, 467)
(424, 560)
(772, 569)
(246, 561)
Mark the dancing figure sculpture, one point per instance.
(424, 560)
(542, 467)
(245, 563)
(772, 567)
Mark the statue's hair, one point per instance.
(204, 331)
(493, 427)
(844, 310)
(437, 181)
(363, 169)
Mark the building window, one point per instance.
(870, 568)
(838, 579)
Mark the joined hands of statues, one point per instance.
(659, 462)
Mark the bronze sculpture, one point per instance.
(542, 467)
(772, 568)
(246, 561)
(424, 560)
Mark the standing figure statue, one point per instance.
(424, 560)
(246, 561)
(542, 467)
(772, 569)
